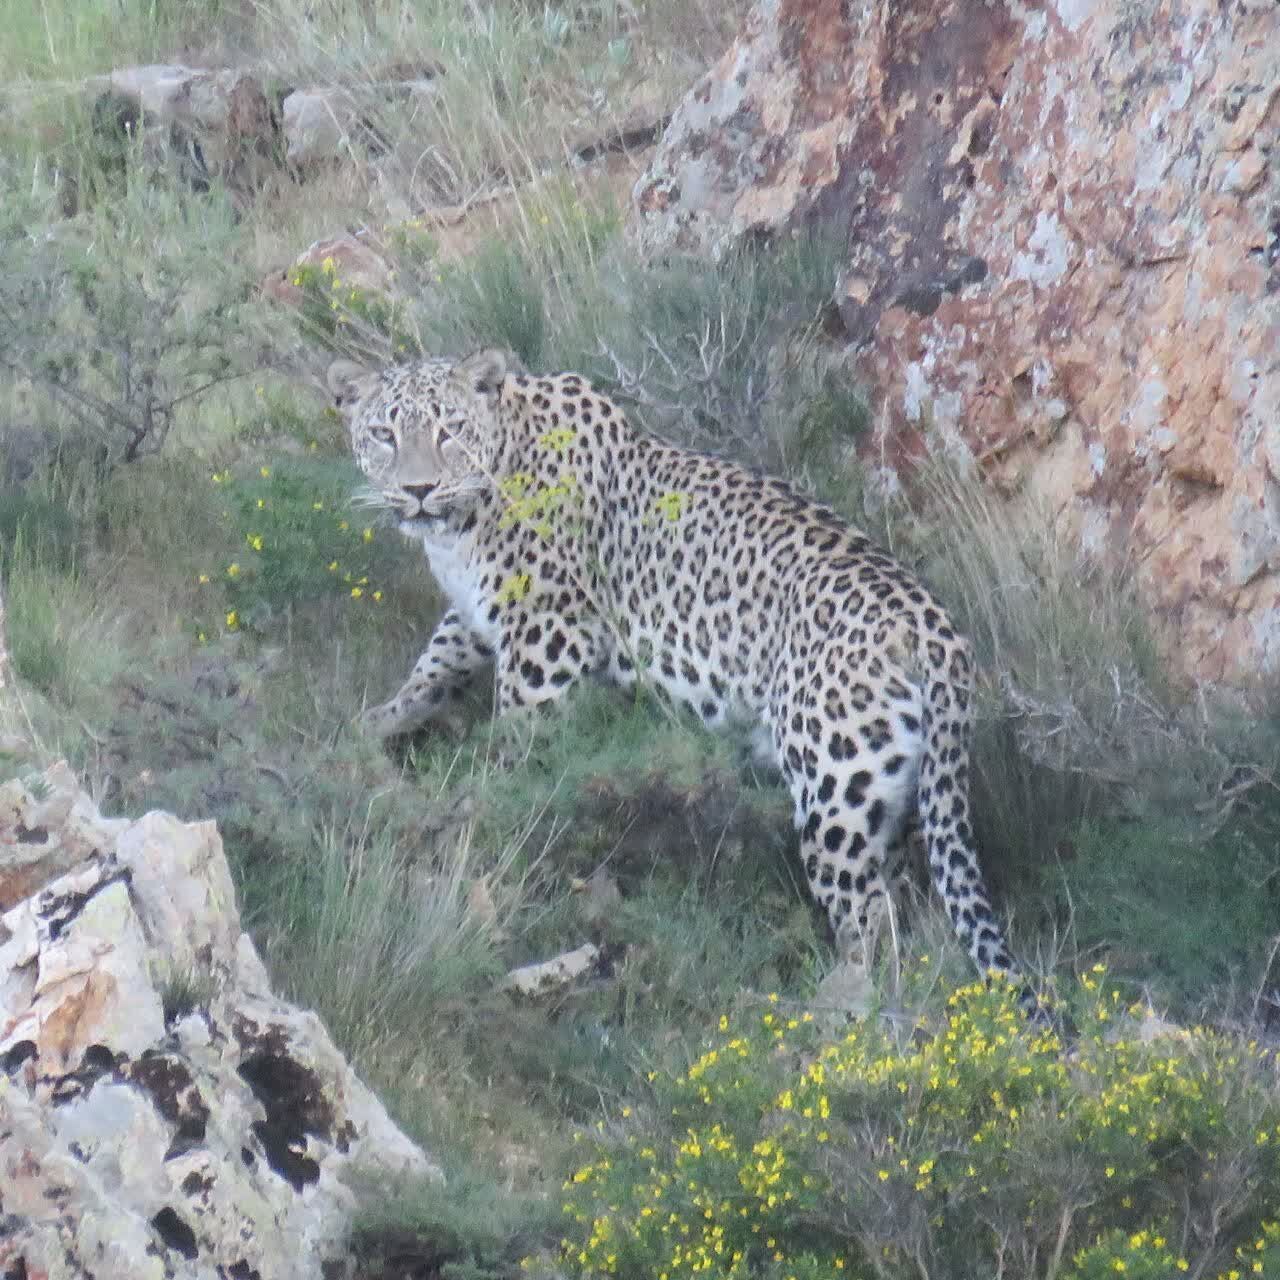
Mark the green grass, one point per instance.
(722, 355)
(692, 857)
(36, 527)
(62, 635)
(186, 991)
(468, 1227)
(65, 39)
(378, 934)
(1191, 918)
(500, 295)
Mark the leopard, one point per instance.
(570, 544)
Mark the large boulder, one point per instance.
(162, 1113)
(1064, 251)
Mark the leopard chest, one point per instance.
(460, 573)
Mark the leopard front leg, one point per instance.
(451, 659)
(542, 652)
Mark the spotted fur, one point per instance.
(569, 544)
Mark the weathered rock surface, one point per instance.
(317, 124)
(1064, 230)
(162, 1113)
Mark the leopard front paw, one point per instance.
(395, 718)
(380, 722)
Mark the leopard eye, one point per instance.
(448, 431)
(383, 435)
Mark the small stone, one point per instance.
(550, 975)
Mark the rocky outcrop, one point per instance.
(162, 1113)
(206, 123)
(203, 123)
(1064, 231)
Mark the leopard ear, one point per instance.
(485, 371)
(343, 377)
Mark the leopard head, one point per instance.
(424, 435)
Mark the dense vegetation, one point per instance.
(197, 612)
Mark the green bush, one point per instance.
(961, 1145)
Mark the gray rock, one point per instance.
(162, 1112)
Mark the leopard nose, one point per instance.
(419, 491)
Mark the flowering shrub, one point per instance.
(297, 540)
(335, 311)
(974, 1144)
(1258, 1256)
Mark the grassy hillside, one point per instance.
(197, 613)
